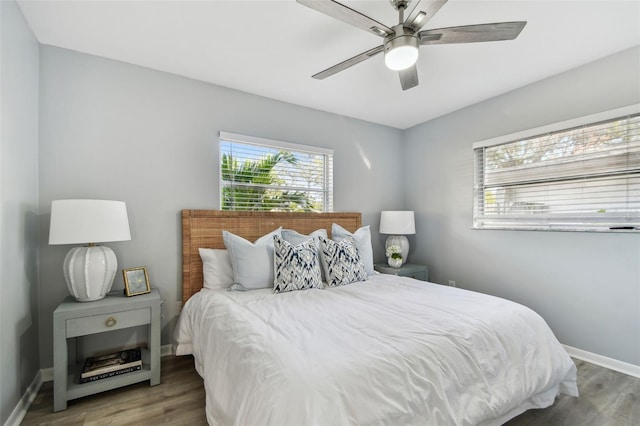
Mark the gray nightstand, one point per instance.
(419, 272)
(74, 319)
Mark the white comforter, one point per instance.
(389, 351)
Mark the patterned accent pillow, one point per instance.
(295, 237)
(296, 267)
(362, 237)
(341, 261)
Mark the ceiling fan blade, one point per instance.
(348, 63)
(408, 77)
(472, 33)
(348, 15)
(422, 13)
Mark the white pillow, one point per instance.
(362, 238)
(252, 263)
(295, 238)
(216, 268)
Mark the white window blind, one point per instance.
(268, 175)
(584, 176)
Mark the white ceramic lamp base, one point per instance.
(400, 241)
(89, 272)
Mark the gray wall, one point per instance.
(19, 362)
(110, 130)
(586, 285)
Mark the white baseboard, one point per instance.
(166, 350)
(47, 374)
(603, 361)
(25, 402)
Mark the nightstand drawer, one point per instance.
(107, 322)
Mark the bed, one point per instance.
(385, 351)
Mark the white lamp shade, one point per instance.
(88, 221)
(397, 222)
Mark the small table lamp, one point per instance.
(89, 270)
(398, 224)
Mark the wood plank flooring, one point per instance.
(177, 400)
(607, 398)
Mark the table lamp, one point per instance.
(398, 224)
(89, 270)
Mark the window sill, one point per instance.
(633, 230)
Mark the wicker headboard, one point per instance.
(203, 229)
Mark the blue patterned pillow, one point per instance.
(341, 261)
(296, 267)
(295, 237)
(362, 237)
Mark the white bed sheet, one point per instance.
(388, 351)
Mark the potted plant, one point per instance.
(394, 256)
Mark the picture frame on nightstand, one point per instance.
(136, 281)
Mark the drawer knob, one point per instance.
(110, 322)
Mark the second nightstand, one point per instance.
(419, 272)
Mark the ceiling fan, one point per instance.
(401, 42)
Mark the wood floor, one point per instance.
(607, 398)
(177, 400)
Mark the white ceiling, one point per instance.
(271, 48)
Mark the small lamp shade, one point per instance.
(397, 224)
(89, 271)
(88, 221)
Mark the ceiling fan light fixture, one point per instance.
(401, 52)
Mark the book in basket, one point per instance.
(110, 374)
(113, 362)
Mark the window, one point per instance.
(577, 175)
(262, 174)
